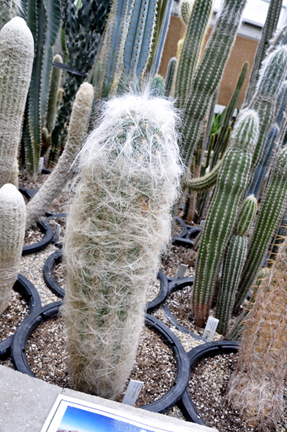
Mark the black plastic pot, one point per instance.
(46, 229)
(24, 287)
(187, 233)
(161, 405)
(56, 257)
(210, 349)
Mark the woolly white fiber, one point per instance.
(12, 223)
(118, 224)
(77, 131)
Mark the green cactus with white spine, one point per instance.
(231, 184)
(170, 73)
(233, 263)
(12, 222)
(77, 131)
(118, 225)
(16, 60)
(185, 10)
(197, 25)
(8, 10)
(208, 75)
(205, 182)
(270, 214)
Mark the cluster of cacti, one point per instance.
(16, 60)
(77, 131)
(231, 185)
(43, 18)
(233, 263)
(118, 225)
(256, 386)
(12, 222)
(83, 30)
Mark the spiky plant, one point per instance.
(77, 131)
(12, 222)
(118, 224)
(256, 386)
(16, 60)
(231, 184)
(8, 10)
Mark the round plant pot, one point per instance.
(56, 258)
(46, 229)
(172, 396)
(210, 349)
(187, 234)
(27, 290)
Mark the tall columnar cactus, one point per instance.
(8, 10)
(12, 222)
(77, 131)
(208, 74)
(267, 33)
(170, 73)
(256, 386)
(83, 28)
(118, 224)
(270, 214)
(233, 263)
(16, 60)
(192, 45)
(274, 135)
(231, 184)
(43, 18)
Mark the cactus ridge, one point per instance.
(208, 74)
(231, 184)
(270, 213)
(191, 49)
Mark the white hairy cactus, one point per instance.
(78, 127)
(118, 224)
(12, 223)
(16, 60)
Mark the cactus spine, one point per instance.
(231, 184)
(192, 45)
(256, 387)
(269, 216)
(208, 75)
(16, 59)
(118, 225)
(233, 263)
(78, 127)
(12, 221)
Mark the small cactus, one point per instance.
(12, 221)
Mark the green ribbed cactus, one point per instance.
(205, 182)
(12, 222)
(118, 225)
(233, 263)
(270, 214)
(157, 86)
(8, 10)
(170, 73)
(43, 18)
(192, 45)
(83, 29)
(256, 387)
(267, 33)
(208, 75)
(16, 60)
(231, 185)
(185, 10)
(77, 131)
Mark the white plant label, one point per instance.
(181, 270)
(210, 328)
(57, 229)
(132, 392)
(41, 164)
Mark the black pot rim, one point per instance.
(46, 229)
(27, 290)
(161, 405)
(188, 232)
(209, 349)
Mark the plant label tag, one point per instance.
(57, 230)
(41, 164)
(132, 392)
(210, 328)
(181, 270)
